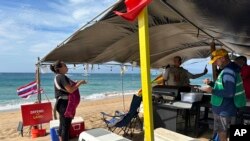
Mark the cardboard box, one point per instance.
(77, 126)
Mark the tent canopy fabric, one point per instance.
(226, 20)
(175, 28)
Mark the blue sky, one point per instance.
(32, 28)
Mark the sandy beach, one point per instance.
(89, 110)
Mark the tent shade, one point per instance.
(172, 33)
(227, 21)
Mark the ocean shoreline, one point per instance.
(109, 96)
(99, 85)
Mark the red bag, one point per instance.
(74, 100)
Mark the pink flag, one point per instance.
(28, 90)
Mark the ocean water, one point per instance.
(99, 86)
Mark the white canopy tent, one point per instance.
(112, 38)
(177, 27)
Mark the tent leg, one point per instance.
(145, 74)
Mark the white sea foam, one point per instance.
(16, 104)
(12, 106)
(108, 94)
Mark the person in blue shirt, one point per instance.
(223, 92)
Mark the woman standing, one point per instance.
(62, 91)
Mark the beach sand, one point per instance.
(89, 110)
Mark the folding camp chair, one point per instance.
(20, 128)
(126, 122)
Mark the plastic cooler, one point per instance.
(191, 96)
(100, 134)
(54, 125)
(77, 126)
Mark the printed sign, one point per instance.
(34, 114)
(239, 132)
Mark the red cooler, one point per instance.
(77, 127)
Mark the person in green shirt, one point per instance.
(227, 93)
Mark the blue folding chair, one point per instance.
(126, 122)
(215, 137)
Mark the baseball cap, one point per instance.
(217, 54)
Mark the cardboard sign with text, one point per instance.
(38, 113)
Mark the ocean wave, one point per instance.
(108, 94)
(16, 104)
(12, 106)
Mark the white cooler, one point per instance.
(100, 134)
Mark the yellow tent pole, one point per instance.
(145, 75)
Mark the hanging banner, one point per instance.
(38, 113)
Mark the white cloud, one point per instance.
(34, 29)
(76, 2)
(79, 14)
(41, 48)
